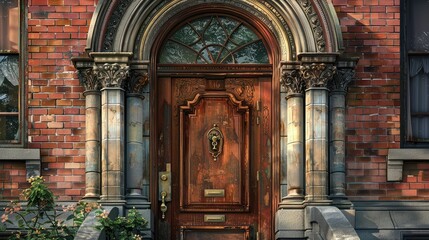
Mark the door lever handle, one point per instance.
(163, 206)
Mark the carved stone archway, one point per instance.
(116, 70)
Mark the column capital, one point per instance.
(344, 75)
(87, 77)
(291, 78)
(111, 75)
(317, 74)
(317, 69)
(138, 80)
(111, 68)
(139, 77)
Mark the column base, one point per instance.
(316, 202)
(292, 201)
(120, 204)
(90, 197)
(341, 202)
(289, 224)
(135, 200)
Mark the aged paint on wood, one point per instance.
(236, 184)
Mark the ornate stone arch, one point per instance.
(132, 26)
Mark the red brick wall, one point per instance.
(371, 30)
(12, 179)
(57, 31)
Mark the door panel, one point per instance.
(214, 151)
(215, 134)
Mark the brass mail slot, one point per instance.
(214, 193)
(214, 218)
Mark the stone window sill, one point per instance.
(30, 156)
(396, 158)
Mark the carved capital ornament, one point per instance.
(292, 81)
(317, 74)
(111, 75)
(342, 79)
(88, 79)
(137, 81)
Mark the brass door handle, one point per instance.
(163, 206)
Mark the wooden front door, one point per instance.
(213, 147)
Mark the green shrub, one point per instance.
(122, 228)
(40, 219)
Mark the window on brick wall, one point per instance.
(10, 83)
(415, 72)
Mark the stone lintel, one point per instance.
(111, 57)
(82, 62)
(139, 65)
(347, 62)
(396, 158)
(308, 58)
(30, 156)
(290, 65)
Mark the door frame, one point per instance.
(273, 50)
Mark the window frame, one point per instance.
(22, 66)
(405, 79)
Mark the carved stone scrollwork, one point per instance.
(317, 74)
(315, 23)
(88, 79)
(344, 75)
(138, 80)
(292, 81)
(342, 79)
(114, 20)
(111, 75)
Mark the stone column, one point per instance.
(337, 146)
(92, 112)
(135, 146)
(292, 81)
(317, 70)
(112, 70)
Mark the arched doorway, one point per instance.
(213, 91)
(171, 92)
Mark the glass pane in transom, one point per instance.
(214, 40)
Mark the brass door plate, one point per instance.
(214, 218)
(214, 193)
(164, 185)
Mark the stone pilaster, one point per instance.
(317, 70)
(337, 146)
(112, 71)
(134, 127)
(294, 85)
(89, 80)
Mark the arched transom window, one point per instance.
(214, 40)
